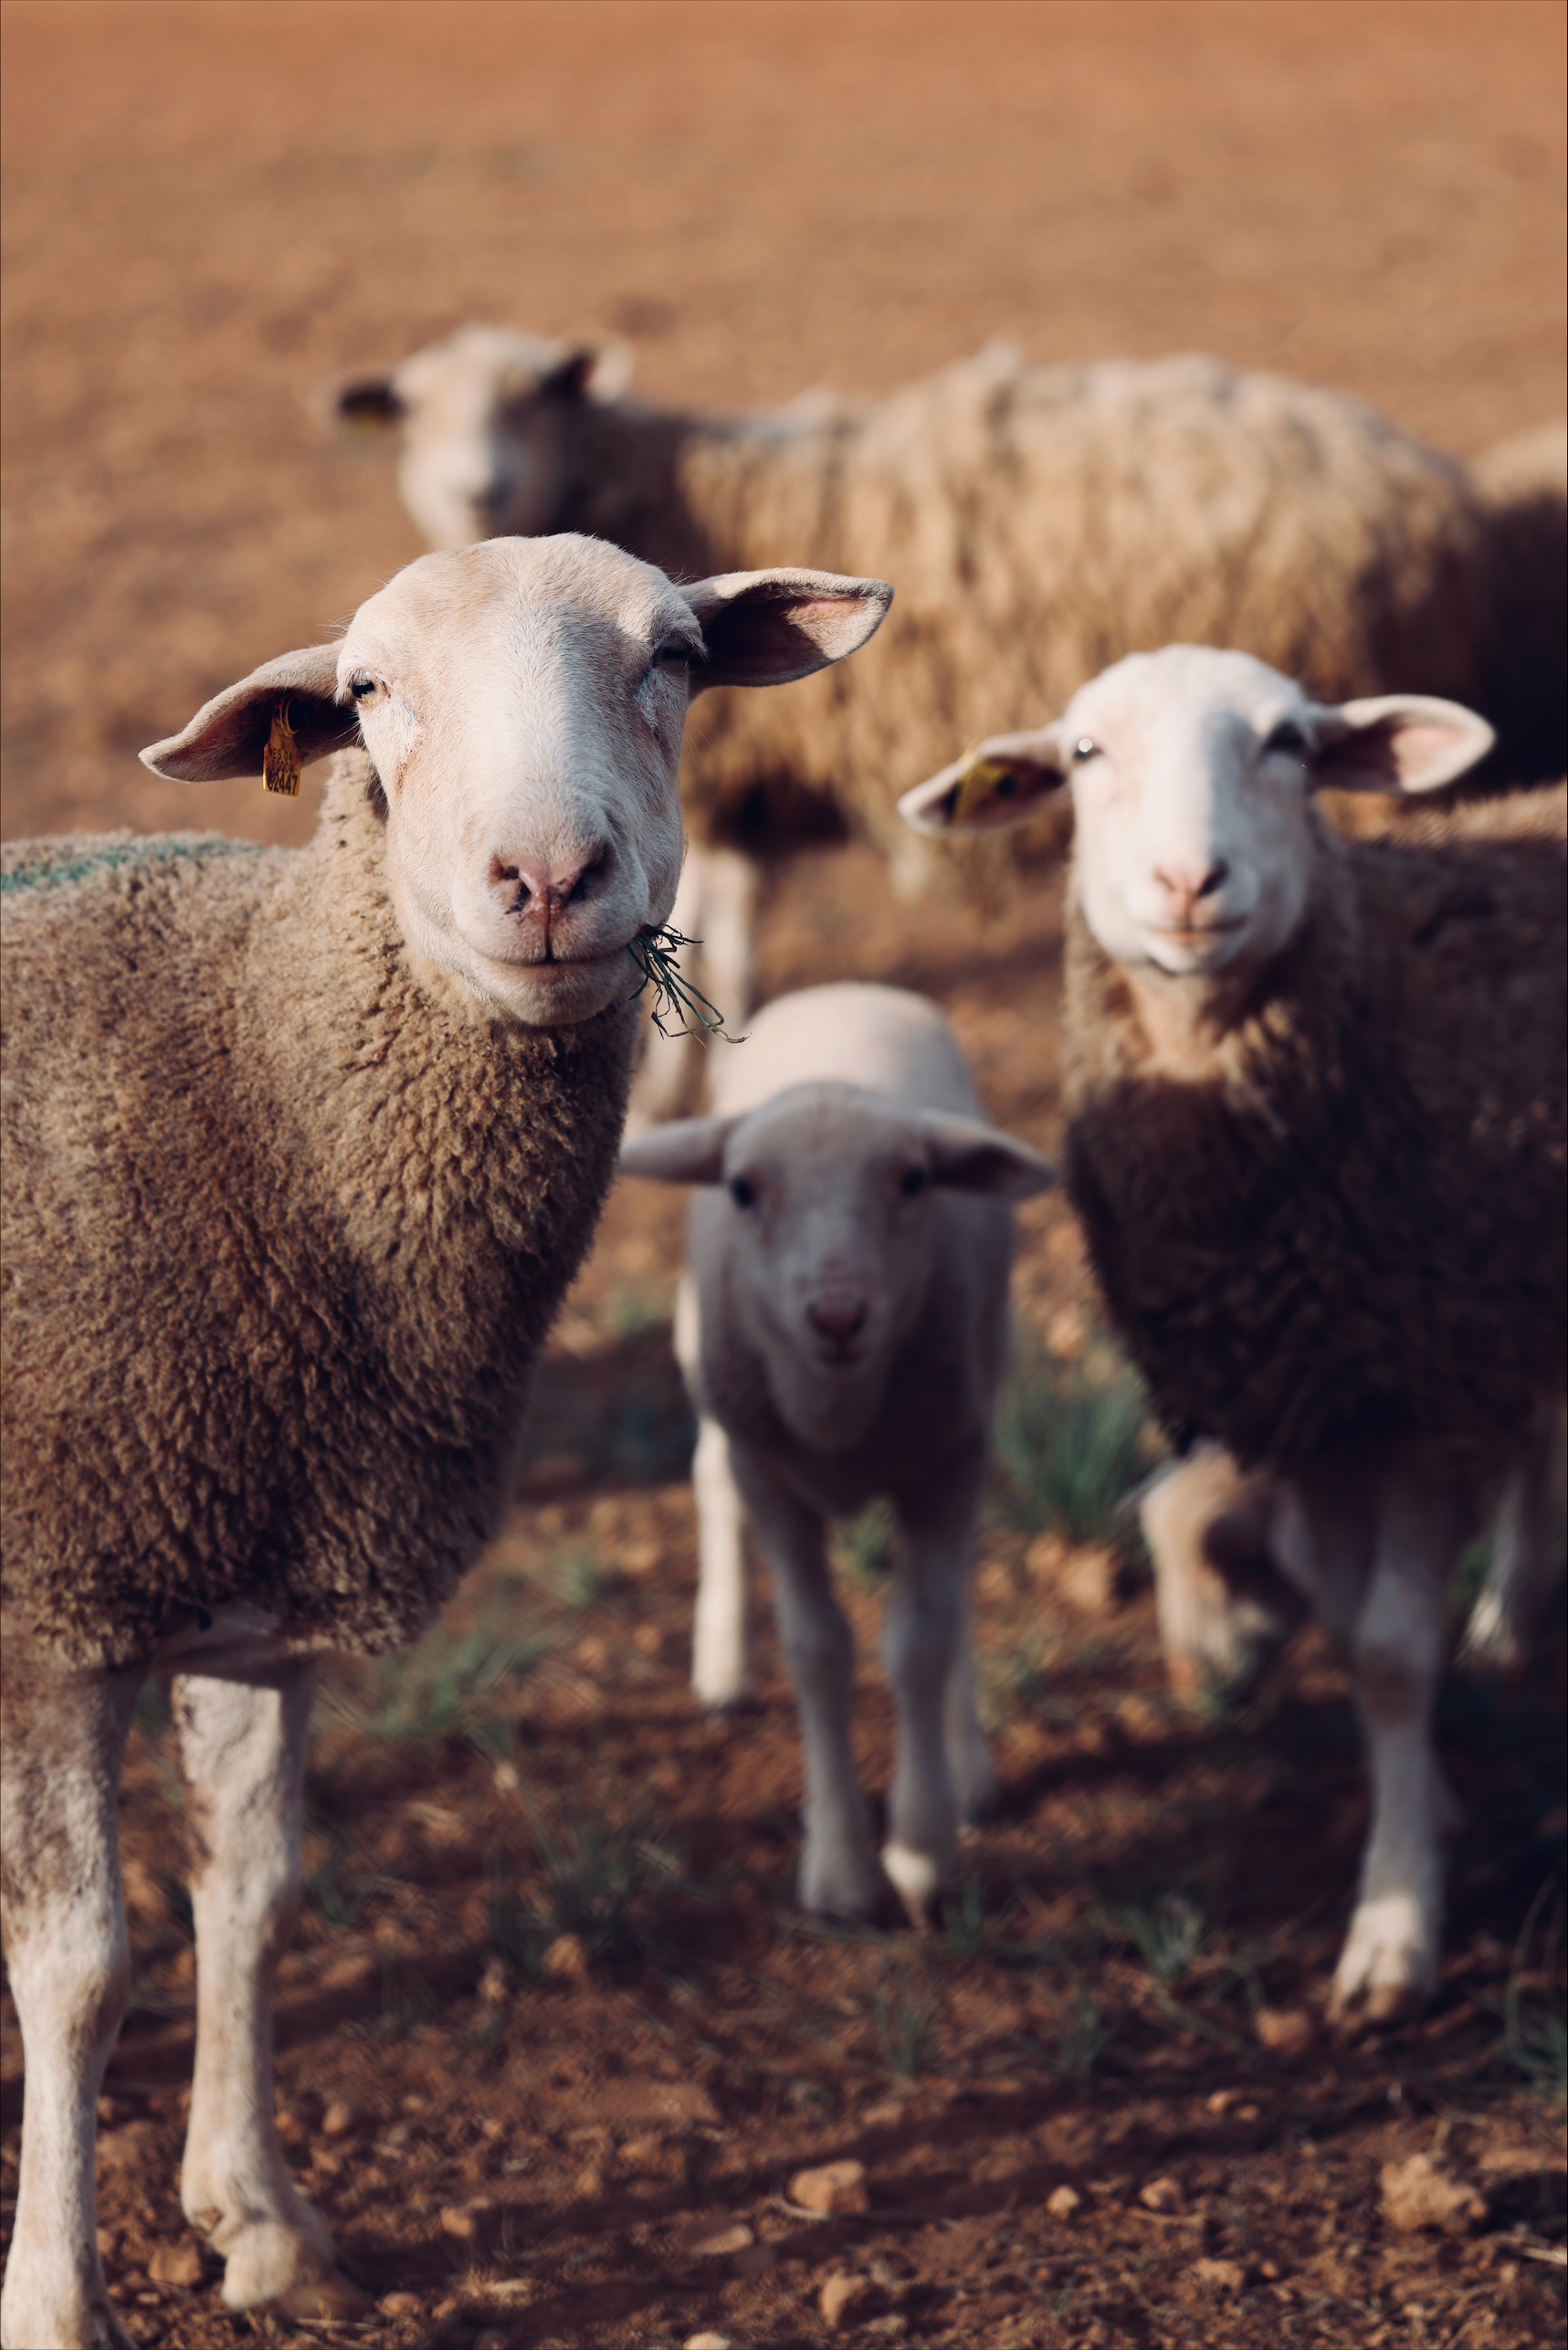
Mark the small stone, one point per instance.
(1419, 2193)
(589, 2183)
(507, 1778)
(1219, 2276)
(175, 2264)
(711, 2342)
(888, 2328)
(1284, 2031)
(733, 2239)
(457, 2220)
(493, 1984)
(400, 2305)
(566, 1960)
(1063, 2201)
(339, 2119)
(490, 2337)
(1090, 1580)
(830, 2188)
(1161, 2194)
(1221, 2101)
(842, 2299)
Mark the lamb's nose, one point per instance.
(537, 881)
(837, 1317)
(1187, 884)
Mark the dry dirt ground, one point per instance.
(553, 2040)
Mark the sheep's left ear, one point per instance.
(358, 402)
(769, 628)
(1396, 742)
(967, 1157)
(998, 784)
(688, 1150)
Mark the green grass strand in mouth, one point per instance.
(674, 998)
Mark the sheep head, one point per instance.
(524, 703)
(1191, 772)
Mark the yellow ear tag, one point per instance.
(986, 780)
(280, 761)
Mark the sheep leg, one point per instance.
(719, 1662)
(242, 1749)
(968, 1755)
(729, 933)
(62, 1742)
(1524, 1562)
(838, 1872)
(1389, 1964)
(923, 1646)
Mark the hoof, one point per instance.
(919, 1879)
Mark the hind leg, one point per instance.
(62, 1742)
(1526, 1558)
(242, 1749)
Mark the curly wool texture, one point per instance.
(1351, 1229)
(284, 1233)
(1039, 523)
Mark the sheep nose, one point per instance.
(1187, 885)
(567, 881)
(837, 1317)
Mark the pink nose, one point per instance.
(1186, 885)
(568, 881)
(837, 1317)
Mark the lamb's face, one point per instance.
(1192, 772)
(480, 420)
(523, 702)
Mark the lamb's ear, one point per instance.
(967, 1157)
(359, 402)
(688, 1150)
(1396, 742)
(769, 628)
(229, 734)
(998, 784)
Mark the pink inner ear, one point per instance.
(1413, 750)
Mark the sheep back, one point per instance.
(1524, 487)
(1354, 1231)
(283, 1235)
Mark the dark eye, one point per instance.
(1287, 737)
(743, 1193)
(912, 1182)
(364, 689)
(673, 654)
(1086, 747)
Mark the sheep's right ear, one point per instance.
(229, 734)
(688, 1150)
(358, 403)
(769, 628)
(998, 784)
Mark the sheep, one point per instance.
(1040, 522)
(1523, 486)
(841, 1329)
(301, 1151)
(1315, 1134)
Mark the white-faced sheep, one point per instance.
(1039, 521)
(843, 1330)
(1314, 1099)
(300, 1153)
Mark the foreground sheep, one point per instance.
(300, 1153)
(1314, 1093)
(1040, 522)
(842, 1332)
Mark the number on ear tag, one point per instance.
(280, 761)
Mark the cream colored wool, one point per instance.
(283, 1237)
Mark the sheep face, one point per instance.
(524, 703)
(1191, 772)
(481, 419)
(828, 1206)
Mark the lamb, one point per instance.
(1315, 1134)
(842, 1329)
(1040, 522)
(301, 1151)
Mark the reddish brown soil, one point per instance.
(208, 209)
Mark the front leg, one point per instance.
(242, 1748)
(838, 1872)
(925, 1646)
(62, 1742)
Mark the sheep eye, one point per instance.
(743, 1193)
(912, 1182)
(1287, 737)
(364, 689)
(1086, 747)
(674, 654)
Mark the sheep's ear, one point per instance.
(229, 734)
(688, 1150)
(1397, 742)
(966, 1156)
(361, 402)
(998, 784)
(769, 628)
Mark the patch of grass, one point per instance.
(1169, 1934)
(1070, 1439)
(864, 1548)
(1535, 2035)
(450, 1686)
(904, 2013)
(602, 1874)
(1082, 2037)
(576, 1579)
